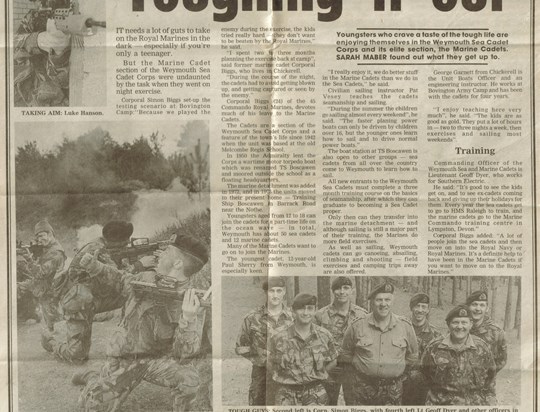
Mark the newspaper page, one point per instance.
(269, 205)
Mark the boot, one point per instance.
(81, 378)
(47, 340)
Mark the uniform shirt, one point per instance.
(337, 323)
(459, 376)
(43, 270)
(380, 353)
(493, 335)
(297, 361)
(103, 283)
(425, 334)
(153, 330)
(257, 328)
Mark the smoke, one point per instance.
(155, 210)
(86, 234)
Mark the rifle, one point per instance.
(137, 247)
(34, 249)
(165, 289)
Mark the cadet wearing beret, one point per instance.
(336, 318)
(459, 368)
(91, 288)
(414, 388)
(381, 348)
(485, 328)
(302, 355)
(157, 342)
(252, 343)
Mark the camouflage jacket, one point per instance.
(43, 269)
(337, 323)
(493, 335)
(257, 328)
(295, 361)
(150, 329)
(380, 353)
(425, 334)
(459, 377)
(107, 281)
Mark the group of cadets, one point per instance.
(304, 356)
(156, 343)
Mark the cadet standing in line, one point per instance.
(414, 387)
(459, 368)
(42, 270)
(253, 340)
(336, 318)
(301, 357)
(381, 348)
(486, 329)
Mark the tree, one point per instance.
(323, 291)
(439, 291)
(509, 298)
(454, 289)
(517, 319)
(494, 297)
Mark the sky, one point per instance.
(49, 134)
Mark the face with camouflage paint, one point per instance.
(420, 312)
(44, 238)
(343, 294)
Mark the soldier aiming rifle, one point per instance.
(160, 340)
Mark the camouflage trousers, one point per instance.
(262, 387)
(79, 307)
(301, 395)
(339, 378)
(372, 391)
(49, 311)
(443, 397)
(105, 392)
(415, 389)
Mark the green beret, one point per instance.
(478, 296)
(190, 245)
(341, 281)
(461, 311)
(273, 282)
(382, 288)
(117, 231)
(418, 298)
(302, 300)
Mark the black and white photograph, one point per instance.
(371, 341)
(113, 279)
(59, 56)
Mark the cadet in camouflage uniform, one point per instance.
(93, 286)
(42, 271)
(157, 344)
(336, 318)
(301, 356)
(486, 329)
(414, 387)
(380, 349)
(459, 368)
(253, 340)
